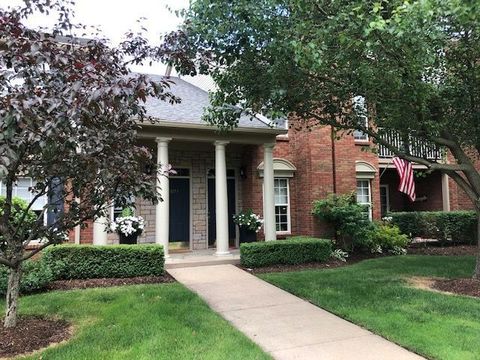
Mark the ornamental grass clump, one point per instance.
(248, 220)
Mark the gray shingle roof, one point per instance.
(191, 108)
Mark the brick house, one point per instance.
(278, 172)
(302, 166)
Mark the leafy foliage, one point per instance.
(349, 219)
(21, 218)
(456, 226)
(297, 250)
(386, 238)
(414, 62)
(70, 121)
(36, 277)
(115, 261)
(70, 110)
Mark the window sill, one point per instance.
(283, 233)
(362, 142)
(282, 138)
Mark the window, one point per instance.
(361, 109)
(364, 196)
(282, 205)
(384, 199)
(21, 190)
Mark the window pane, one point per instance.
(363, 192)
(281, 204)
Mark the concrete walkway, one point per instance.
(284, 325)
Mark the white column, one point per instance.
(100, 234)
(162, 216)
(268, 194)
(221, 198)
(445, 193)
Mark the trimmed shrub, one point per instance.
(36, 276)
(117, 261)
(293, 251)
(457, 226)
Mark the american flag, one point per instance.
(407, 182)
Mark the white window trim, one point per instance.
(289, 222)
(370, 210)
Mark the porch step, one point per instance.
(200, 258)
(186, 264)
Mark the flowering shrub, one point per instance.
(248, 220)
(128, 225)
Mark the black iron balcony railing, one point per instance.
(416, 147)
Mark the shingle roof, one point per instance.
(190, 110)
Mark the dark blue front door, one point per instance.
(180, 211)
(212, 229)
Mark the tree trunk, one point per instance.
(476, 275)
(13, 291)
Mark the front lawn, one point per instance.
(140, 322)
(376, 295)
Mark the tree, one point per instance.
(69, 112)
(416, 64)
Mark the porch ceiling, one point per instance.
(204, 133)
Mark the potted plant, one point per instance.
(249, 224)
(128, 227)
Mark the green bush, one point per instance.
(457, 226)
(349, 219)
(19, 211)
(292, 251)
(117, 261)
(387, 237)
(36, 276)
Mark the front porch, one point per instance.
(432, 190)
(213, 181)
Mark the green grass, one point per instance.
(140, 322)
(374, 294)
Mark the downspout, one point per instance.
(334, 165)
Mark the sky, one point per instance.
(116, 17)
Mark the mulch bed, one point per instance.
(469, 287)
(32, 334)
(330, 264)
(105, 282)
(457, 250)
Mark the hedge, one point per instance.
(457, 226)
(292, 251)
(117, 261)
(36, 276)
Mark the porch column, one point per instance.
(100, 234)
(445, 193)
(268, 194)
(221, 198)
(162, 216)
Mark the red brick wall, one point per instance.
(311, 152)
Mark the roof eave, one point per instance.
(174, 124)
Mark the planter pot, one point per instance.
(128, 240)
(247, 235)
